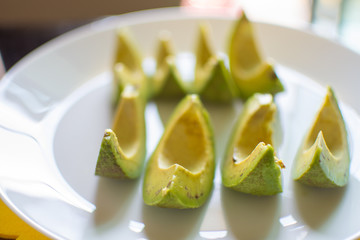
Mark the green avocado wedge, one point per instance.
(323, 159)
(249, 71)
(212, 79)
(180, 172)
(127, 68)
(166, 82)
(250, 165)
(123, 148)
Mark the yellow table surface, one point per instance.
(13, 227)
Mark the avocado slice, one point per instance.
(323, 159)
(250, 165)
(123, 148)
(251, 73)
(127, 67)
(167, 82)
(180, 172)
(212, 79)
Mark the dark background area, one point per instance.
(25, 25)
(16, 42)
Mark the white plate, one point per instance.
(55, 105)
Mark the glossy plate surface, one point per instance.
(56, 103)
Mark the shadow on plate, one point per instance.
(112, 198)
(223, 118)
(278, 133)
(248, 216)
(316, 204)
(175, 224)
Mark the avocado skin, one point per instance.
(323, 158)
(316, 177)
(248, 82)
(172, 87)
(219, 88)
(176, 186)
(265, 179)
(257, 172)
(106, 165)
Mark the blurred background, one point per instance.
(25, 25)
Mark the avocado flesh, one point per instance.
(323, 159)
(127, 65)
(250, 72)
(212, 79)
(122, 150)
(166, 82)
(180, 172)
(250, 165)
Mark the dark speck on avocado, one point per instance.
(273, 76)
